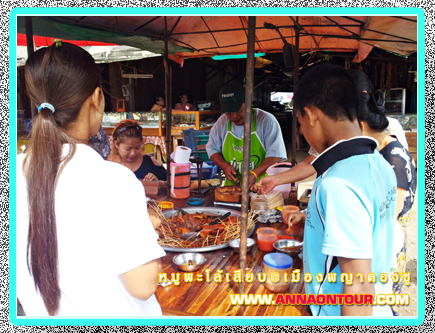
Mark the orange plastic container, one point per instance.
(287, 210)
(180, 180)
(266, 237)
(166, 205)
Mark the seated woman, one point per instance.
(127, 150)
(184, 105)
(159, 104)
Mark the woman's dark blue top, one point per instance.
(148, 166)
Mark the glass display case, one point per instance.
(152, 123)
(395, 100)
(197, 120)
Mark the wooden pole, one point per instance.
(295, 83)
(247, 145)
(168, 103)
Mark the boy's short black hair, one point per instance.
(158, 96)
(329, 88)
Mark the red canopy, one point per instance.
(47, 41)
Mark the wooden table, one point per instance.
(411, 138)
(212, 298)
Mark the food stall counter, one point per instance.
(200, 297)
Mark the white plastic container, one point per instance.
(278, 168)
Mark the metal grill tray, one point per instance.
(209, 211)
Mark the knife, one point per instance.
(227, 204)
(195, 234)
(223, 217)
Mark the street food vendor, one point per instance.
(225, 145)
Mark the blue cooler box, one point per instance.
(207, 172)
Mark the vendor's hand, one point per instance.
(293, 218)
(264, 185)
(154, 217)
(150, 177)
(230, 172)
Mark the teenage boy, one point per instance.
(349, 222)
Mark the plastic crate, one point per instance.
(207, 172)
(202, 140)
(193, 139)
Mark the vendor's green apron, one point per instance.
(232, 150)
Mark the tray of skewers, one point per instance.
(200, 229)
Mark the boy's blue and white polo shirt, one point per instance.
(350, 215)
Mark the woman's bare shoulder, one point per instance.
(153, 159)
(112, 158)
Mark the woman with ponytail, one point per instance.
(77, 255)
(374, 123)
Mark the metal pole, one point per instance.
(247, 144)
(30, 50)
(295, 83)
(168, 104)
(132, 83)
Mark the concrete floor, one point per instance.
(412, 261)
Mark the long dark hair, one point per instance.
(64, 76)
(371, 109)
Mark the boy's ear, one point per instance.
(312, 113)
(361, 126)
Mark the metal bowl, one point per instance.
(182, 261)
(288, 246)
(235, 244)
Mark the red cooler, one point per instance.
(180, 180)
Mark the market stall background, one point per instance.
(320, 39)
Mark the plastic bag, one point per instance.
(264, 202)
(270, 216)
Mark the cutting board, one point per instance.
(232, 193)
(151, 188)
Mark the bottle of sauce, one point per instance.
(293, 196)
